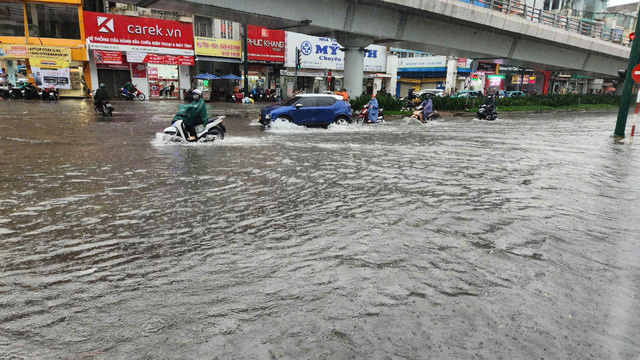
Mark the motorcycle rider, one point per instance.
(427, 108)
(373, 109)
(101, 96)
(128, 89)
(192, 114)
(491, 103)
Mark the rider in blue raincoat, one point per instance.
(373, 109)
(427, 108)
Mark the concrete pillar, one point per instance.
(452, 75)
(184, 81)
(11, 72)
(392, 69)
(353, 70)
(93, 72)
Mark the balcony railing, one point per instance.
(576, 25)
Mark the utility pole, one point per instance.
(245, 60)
(623, 111)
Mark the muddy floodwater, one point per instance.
(460, 239)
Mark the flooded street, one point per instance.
(460, 239)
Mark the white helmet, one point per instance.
(196, 92)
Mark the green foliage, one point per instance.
(390, 103)
(386, 101)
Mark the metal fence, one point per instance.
(576, 25)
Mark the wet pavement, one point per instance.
(460, 239)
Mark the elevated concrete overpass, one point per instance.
(447, 27)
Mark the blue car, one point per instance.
(309, 110)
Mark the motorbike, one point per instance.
(187, 95)
(363, 117)
(214, 129)
(26, 91)
(106, 109)
(135, 93)
(5, 91)
(487, 112)
(418, 111)
(49, 93)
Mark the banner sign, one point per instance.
(218, 47)
(138, 70)
(40, 56)
(265, 44)
(159, 59)
(128, 33)
(325, 53)
(462, 62)
(107, 57)
(59, 78)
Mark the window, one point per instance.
(53, 21)
(11, 19)
(203, 27)
(226, 29)
(309, 102)
(291, 101)
(326, 101)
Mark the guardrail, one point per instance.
(576, 25)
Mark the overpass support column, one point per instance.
(353, 70)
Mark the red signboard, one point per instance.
(138, 70)
(107, 57)
(462, 62)
(635, 74)
(128, 33)
(169, 59)
(265, 44)
(153, 73)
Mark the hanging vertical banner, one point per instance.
(58, 78)
(138, 70)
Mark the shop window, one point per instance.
(53, 21)
(203, 27)
(11, 19)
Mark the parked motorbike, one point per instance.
(417, 114)
(363, 117)
(5, 91)
(214, 130)
(49, 93)
(26, 91)
(135, 93)
(187, 95)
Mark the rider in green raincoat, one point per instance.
(192, 114)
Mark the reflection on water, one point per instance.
(456, 239)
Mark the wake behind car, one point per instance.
(309, 110)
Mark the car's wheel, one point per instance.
(285, 118)
(141, 97)
(341, 120)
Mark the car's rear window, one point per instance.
(326, 101)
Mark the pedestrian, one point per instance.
(344, 94)
(373, 109)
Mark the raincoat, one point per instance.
(373, 110)
(427, 108)
(190, 112)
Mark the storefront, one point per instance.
(431, 72)
(43, 42)
(322, 65)
(219, 57)
(266, 54)
(153, 54)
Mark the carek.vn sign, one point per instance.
(127, 33)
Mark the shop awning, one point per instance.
(231, 77)
(206, 76)
(218, 59)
